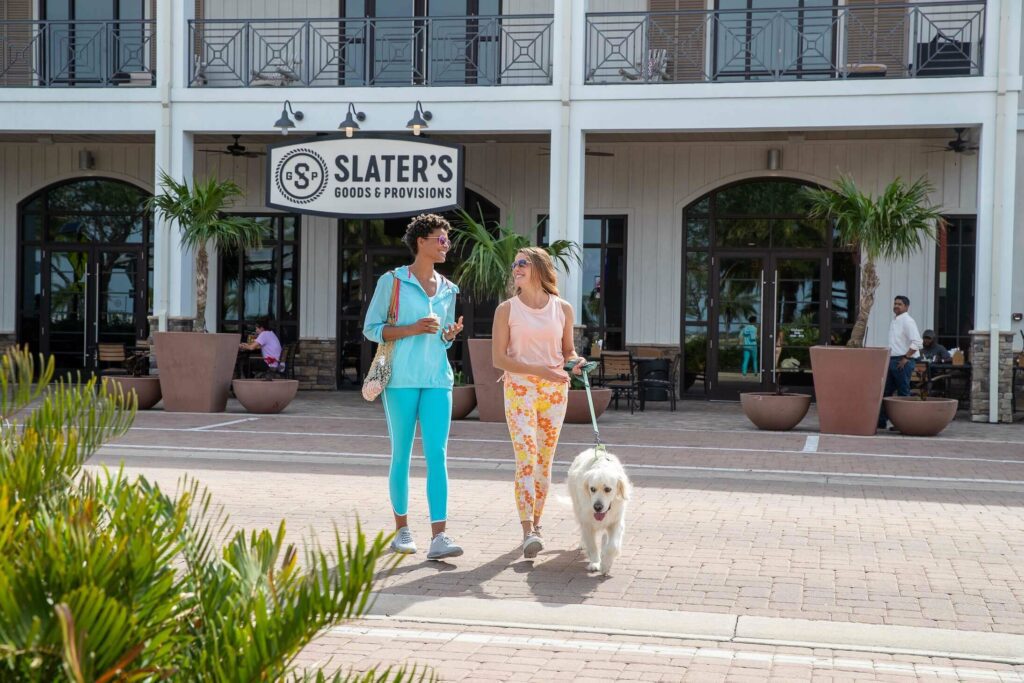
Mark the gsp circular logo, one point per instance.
(301, 175)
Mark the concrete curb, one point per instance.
(1000, 648)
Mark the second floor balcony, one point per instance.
(780, 41)
(375, 51)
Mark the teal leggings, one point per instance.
(433, 409)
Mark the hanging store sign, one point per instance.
(364, 177)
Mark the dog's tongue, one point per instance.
(599, 515)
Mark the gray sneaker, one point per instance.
(443, 546)
(532, 545)
(402, 542)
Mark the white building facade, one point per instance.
(668, 137)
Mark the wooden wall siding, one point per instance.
(649, 182)
(27, 168)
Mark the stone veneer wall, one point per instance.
(316, 364)
(980, 374)
(7, 340)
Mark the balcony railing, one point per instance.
(889, 40)
(77, 53)
(408, 51)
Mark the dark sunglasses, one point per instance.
(521, 263)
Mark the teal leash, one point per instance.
(585, 376)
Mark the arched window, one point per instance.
(761, 283)
(84, 275)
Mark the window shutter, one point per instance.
(683, 37)
(876, 35)
(17, 56)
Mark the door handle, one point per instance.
(776, 315)
(85, 323)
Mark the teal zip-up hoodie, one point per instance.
(421, 361)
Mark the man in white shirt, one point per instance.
(904, 347)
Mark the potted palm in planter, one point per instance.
(487, 252)
(848, 382)
(195, 369)
(463, 397)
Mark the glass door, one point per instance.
(65, 329)
(737, 338)
(798, 309)
(768, 311)
(117, 298)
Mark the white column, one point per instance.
(181, 270)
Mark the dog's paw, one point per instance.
(604, 569)
(593, 567)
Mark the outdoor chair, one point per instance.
(656, 376)
(617, 374)
(653, 70)
(114, 356)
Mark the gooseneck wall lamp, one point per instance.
(285, 123)
(419, 119)
(350, 125)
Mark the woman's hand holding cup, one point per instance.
(428, 325)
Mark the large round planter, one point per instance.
(848, 386)
(775, 412)
(463, 401)
(915, 417)
(195, 369)
(146, 388)
(578, 411)
(490, 393)
(265, 395)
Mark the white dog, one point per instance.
(599, 489)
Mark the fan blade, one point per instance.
(214, 151)
(253, 155)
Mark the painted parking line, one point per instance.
(214, 427)
(811, 439)
(739, 656)
(336, 458)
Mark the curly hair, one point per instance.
(422, 226)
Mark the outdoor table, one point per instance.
(952, 371)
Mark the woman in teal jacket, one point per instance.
(420, 388)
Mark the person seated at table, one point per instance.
(932, 351)
(267, 344)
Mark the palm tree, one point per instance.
(892, 227)
(199, 212)
(486, 270)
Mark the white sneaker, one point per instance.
(532, 545)
(402, 542)
(443, 546)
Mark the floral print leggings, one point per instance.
(534, 410)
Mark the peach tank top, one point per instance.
(535, 335)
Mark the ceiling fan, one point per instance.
(544, 152)
(958, 145)
(236, 150)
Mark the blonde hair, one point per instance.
(543, 266)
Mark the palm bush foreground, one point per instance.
(107, 578)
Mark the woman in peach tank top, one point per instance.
(532, 343)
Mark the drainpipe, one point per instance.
(164, 36)
(1007, 96)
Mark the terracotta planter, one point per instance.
(490, 393)
(848, 386)
(463, 401)
(195, 369)
(578, 412)
(915, 417)
(146, 388)
(775, 412)
(265, 395)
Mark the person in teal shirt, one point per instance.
(420, 388)
(748, 337)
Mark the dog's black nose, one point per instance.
(598, 507)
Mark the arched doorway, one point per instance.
(369, 248)
(762, 283)
(83, 275)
